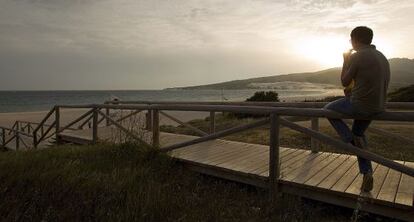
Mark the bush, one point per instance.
(263, 96)
(405, 94)
(326, 99)
(260, 96)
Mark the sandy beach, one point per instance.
(8, 119)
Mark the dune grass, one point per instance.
(133, 183)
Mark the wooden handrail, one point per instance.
(15, 131)
(274, 109)
(128, 116)
(202, 133)
(45, 133)
(75, 121)
(45, 119)
(389, 105)
(283, 111)
(122, 128)
(9, 140)
(217, 135)
(85, 122)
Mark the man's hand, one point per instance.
(347, 56)
(347, 92)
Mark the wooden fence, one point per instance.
(276, 115)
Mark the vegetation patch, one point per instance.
(134, 183)
(405, 94)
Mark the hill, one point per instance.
(402, 74)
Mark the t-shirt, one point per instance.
(371, 72)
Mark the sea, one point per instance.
(27, 101)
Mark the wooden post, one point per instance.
(155, 128)
(3, 137)
(108, 114)
(29, 128)
(95, 126)
(212, 122)
(17, 138)
(34, 139)
(148, 122)
(57, 124)
(274, 156)
(314, 142)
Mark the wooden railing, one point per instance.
(276, 114)
(9, 135)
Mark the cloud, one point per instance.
(239, 38)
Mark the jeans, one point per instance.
(344, 106)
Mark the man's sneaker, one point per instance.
(367, 182)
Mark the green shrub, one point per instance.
(405, 94)
(326, 99)
(260, 96)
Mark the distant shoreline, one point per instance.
(34, 101)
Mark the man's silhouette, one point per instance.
(365, 74)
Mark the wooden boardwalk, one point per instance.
(322, 176)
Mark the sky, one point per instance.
(156, 44)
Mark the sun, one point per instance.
(326, 51)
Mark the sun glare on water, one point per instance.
(327, 51)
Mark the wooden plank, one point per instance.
(262, 160)
(298, 162)
(206, 156)
(202, 150)
(355, 187)
(240, 151)
(240, 161)
(254, 161)
(390, 186)
(264, 166)
(327, 171)
(293, 163)
(379, 177)
(306, 174)
(211, 146)
(405, 191)
(342, 184)
(305, 171)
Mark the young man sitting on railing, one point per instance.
(365, 74)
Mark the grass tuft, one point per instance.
(133, 183)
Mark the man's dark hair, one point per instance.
(362, 34)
